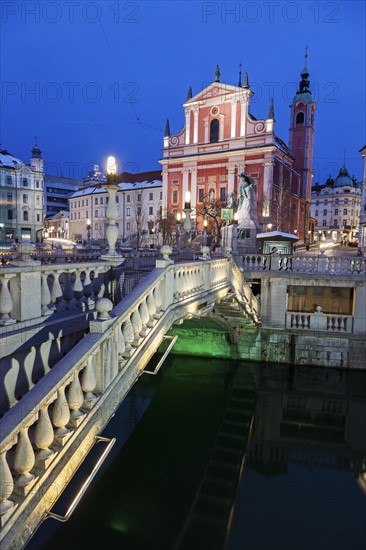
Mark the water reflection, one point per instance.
(231, 455)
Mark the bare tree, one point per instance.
(211, 209)
(167, 223)
(139, 218)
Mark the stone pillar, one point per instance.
(193, 187)
(230, 178)
(111, 215)
(277, 298)
(165, 190)
(243, 116)
(233, 118)
(195, 123)
(188, 125)
(267, 188)
(185, 173)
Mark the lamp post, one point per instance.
(111, 211)
(88, 230)
(187, 223)
(235, 232)
(178, 221)
(205, 223)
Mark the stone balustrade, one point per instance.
(302, 264)
(39, 431)
(33, 291)
(328, 322)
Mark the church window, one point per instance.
(201, 193)
(300, 118)
(175, 196)
(214, 131)
(25, 216)
(222, 194)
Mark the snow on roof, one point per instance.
(122, 187)
(277, 234)
(8, 160)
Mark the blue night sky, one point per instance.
(96, 78)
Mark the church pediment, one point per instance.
(214, 90)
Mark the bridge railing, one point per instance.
(328, 322)
(47, 423)
(32, 291)
(302, 264)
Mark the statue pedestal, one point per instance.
(243, 239)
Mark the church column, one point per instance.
(188, 126)
(206, 129)
(267, 185)
(230, 178)
(243, 116)
(195, 123)
(185, 173)
(165, 191)
(221, 128)
(193, 187)
(233, 118)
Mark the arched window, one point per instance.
(214, 131)
(300, 118)
(10, 214)
(25, 216)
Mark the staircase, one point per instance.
(233, 313)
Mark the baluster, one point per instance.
(75, 400)
(60, 417)
(43, 438)
(137, 327)
(158, 302)
(144, 314)
(24, 460)
(6, 301)
(151, 306)
(128, 337)
(45, 294)
(88, 383)
(88, 289)
(56, 291)
(6, 488)
(121, 348)
(78, 288)
(68, 290)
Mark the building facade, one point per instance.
(139, 206)
(57, 192)
(336, 208)
(222, 139)
(22, 198)
(362, 230)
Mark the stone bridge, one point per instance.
(56, 402)
(47, 432)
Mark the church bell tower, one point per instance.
(301, 137)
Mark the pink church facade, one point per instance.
(222, 139)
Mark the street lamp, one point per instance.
(178, 221)
(187, 224)
(88, 230)
(205, 223)
(111, 211)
